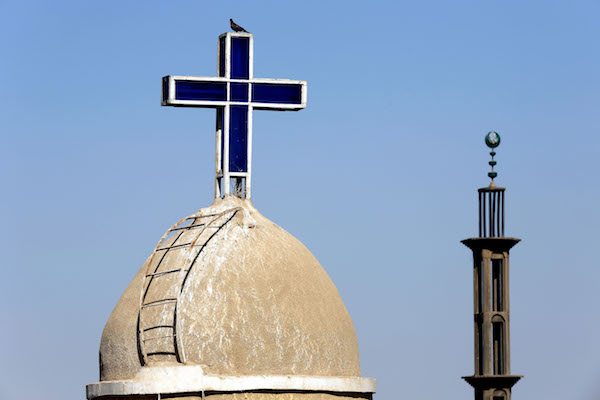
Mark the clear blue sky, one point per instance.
(377, 176)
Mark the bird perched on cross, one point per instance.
(236, 27)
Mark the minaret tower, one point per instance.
(492, 379)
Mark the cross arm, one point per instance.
(278, 94)
(213, 92)
(192, 91)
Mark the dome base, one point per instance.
(191, 379)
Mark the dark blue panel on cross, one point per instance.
(277, 93)
(238, 91)
(222, 56)
(238, 139)
(240, 57)
(200, 90)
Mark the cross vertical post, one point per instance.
(235, 94)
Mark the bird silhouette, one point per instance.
(236, 27)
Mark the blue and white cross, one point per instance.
(235, 93)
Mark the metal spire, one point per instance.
(492, 140)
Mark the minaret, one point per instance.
(492, 379)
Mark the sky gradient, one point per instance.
(377, 176)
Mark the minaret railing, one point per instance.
(491, 212)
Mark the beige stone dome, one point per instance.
(230, 292)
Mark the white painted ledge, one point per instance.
(182, 379)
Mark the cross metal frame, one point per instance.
(224, 177)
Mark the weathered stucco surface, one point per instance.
(255, 302)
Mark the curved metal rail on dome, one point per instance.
(164, 281)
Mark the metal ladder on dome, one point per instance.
(163, 284)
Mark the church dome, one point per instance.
(233, 294)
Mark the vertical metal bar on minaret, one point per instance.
(503, 213)
(484, 215)
(481, 214)
(491, 214)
